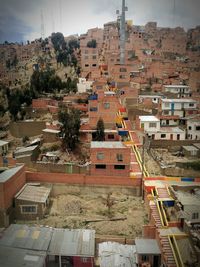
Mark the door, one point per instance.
(156, 260)
(171, 136)
(178, 136)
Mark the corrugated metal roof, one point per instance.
(15, 257)
(25, 237)
(113, 254)
(67, 242)
(147, 246)
(51, 131)
(6, 175)
(105, 144)
(3, 143)
(34, 193)
(25, 149)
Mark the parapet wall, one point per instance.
(27, 128)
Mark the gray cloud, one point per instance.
(21, 19)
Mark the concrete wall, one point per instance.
(27, 128)
(171, 143)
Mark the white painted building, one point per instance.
(193, 128)
(180, 90)
(149, 123)
(151, 126)
(3, 147)
(83, 85)
(178, 107)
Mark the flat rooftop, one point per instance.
(26, 149)
(178, 100)
(33, 193)
(147, 246)
(148, 118)
(7, 174)
(105, 144)
(3, 143)
(176, 86)
(51, 131)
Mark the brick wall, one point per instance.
(81, 179)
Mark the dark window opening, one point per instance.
(119, 167)
(100, 166)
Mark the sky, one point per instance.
(20, 20)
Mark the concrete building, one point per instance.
(181, 91)
(11, 181)
(31, 202)
(148, 252)
(26, 154)
(151, 126)
(3, 147)
(84, 86)
(71, 247)
(180, 107)
(110, 158)
(193, 128)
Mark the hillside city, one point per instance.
(100, 148)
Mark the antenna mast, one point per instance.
(42, 25)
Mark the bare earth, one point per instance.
(74, 211)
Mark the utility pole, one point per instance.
(42, 25)
(142, 187)
(122, 32)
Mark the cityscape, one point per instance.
(100, 146)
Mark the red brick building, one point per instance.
(11, 181)
(110, 158)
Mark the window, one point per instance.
(152, 125)
(122, 76)
(86, 65)
(119, 167)
(98, 87)
(166, 112)
(167, 105)
(190, 128)
(122, 69)
(195, 215)
(191, 104)
(94, 65)
(106, 105)
(84, 260)
(145, 258)
(100, 155)
(100, 166)
(111, 136)
(94, 57)
(86, 57)
(119, 157)
(163, 135)
(29, 209)
(93, 109)
(197, 128)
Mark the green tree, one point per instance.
(92, 43)
(70, 120)
(100, 135)
(57, 40)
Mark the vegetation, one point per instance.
(100, 135)
(92, 43)
(195, 165)
(64, 52)
(47, 82)
(70, 120)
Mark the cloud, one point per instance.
(21, 19)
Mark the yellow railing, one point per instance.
(159, 211)
(175, 250)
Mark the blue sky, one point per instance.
(20, 20)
